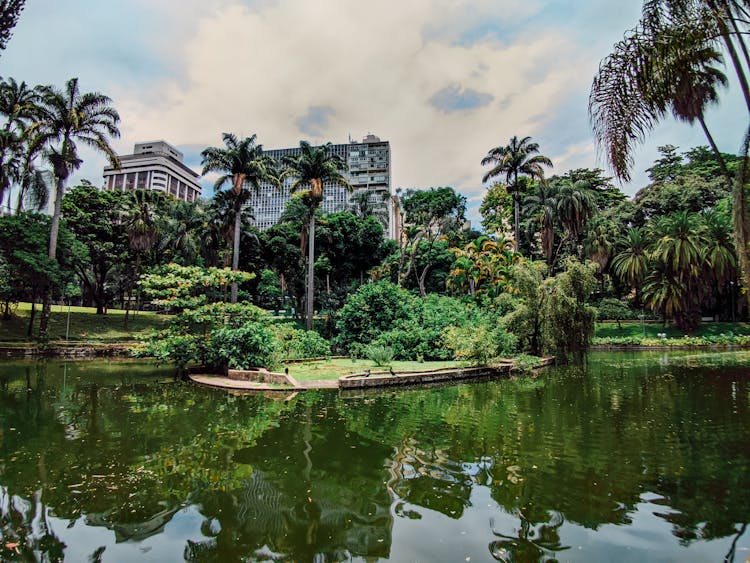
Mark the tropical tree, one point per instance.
(310, 170)
(243, 164)
(518, 158)
(19, 105)
(10, 10)
(542, 206)
(139, 218)
(68, 117)
(631, 263)
(668, 64)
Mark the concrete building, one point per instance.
(369, 164)
(157, 166)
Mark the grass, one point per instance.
(634, 329)
(85, 325)
(333, 369)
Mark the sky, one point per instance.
(443, 80)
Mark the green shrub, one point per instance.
(251, 345)
(381, 355)
(371, 310)
(295, 344)
(479, 344)
(191, 337)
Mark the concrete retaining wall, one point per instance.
(261, 376)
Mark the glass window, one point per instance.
(118, 182)
(130, 181)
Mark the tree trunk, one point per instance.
(52, 253)
(740, 215)
(32, 314)
(236, 250)
(715, 149)
(310, 271)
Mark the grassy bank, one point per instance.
(637, 334)
(85, 324)
(333, 369)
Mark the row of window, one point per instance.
(152, 180)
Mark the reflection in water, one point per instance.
(632, 457)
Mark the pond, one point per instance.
(634, 457)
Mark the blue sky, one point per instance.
(442, 80)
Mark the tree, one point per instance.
(631, 263)
(310, 170)
(19, 105)
(432, 215)
(95, 219)
(139, 219)
(668, 62)
(10, 10)
(518, 158)
(243, 164)
(542, 206)
(69, 117)
(23, 251)
(496, 209)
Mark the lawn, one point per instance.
(333, 369)
(85, 324)
(652, 330)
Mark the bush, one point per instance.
(480, 344)
(204, 336)
(251, 345)
(296, 344)
(371, 310)
(381, 355)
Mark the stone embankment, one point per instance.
(64, 350)
(263, 380)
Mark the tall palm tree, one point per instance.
(19, 105)
(243, 164)
(310, 170)
(542, 206)
(517, 158)
(68, 117)
(139, 218)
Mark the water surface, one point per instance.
(634, 457)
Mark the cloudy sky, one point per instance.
(442, 80)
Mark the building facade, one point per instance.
(369, 171)
(156, 166)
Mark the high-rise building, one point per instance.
(157, 166)
(369, 171)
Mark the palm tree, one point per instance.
(518, 158)
(668, 63)
(139, 218)
(575, 206)
(631, 263)
(310, 170)
(542, 206)
(243, 164)
(19, 105)
(68, 117)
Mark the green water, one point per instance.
(636, 457)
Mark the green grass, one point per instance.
(634, 329)
(85, 324)
(333, 369)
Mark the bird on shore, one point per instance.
(367, 373)
(286, 371)
(390, 370)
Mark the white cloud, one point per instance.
(259, 70)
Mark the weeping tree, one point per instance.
(311, 170)
(669, 64)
